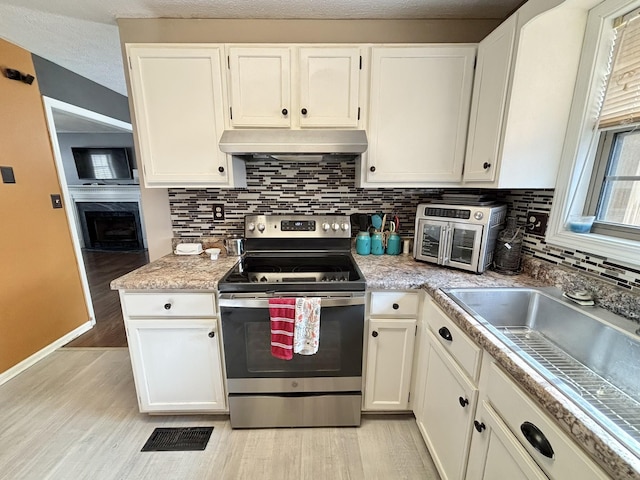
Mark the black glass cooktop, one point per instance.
(259, 272)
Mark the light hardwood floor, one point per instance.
(74, 416)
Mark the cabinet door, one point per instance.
(448, 412)
(178, 102)
(489, 102)
(389, 359)
(418, 114)
(329, 86)
(176, 365)
(496, 454)
(260, 86)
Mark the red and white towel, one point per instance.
(306, 337)
(282, 312)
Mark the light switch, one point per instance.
(7, 175)
(56, 200)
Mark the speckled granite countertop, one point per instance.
(403, 272)
(186, 272)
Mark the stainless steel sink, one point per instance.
(590, 354)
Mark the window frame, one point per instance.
(582, 139)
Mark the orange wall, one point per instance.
(41, 297)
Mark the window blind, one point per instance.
(621, 104)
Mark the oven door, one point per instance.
(463, 246)
(431, 240)
(337, 366)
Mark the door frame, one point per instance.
(51, 104)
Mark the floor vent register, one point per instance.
(178, 439)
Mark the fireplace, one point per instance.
(110, 225)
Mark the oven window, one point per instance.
(462, 243)
(431, 240)
(260, 360)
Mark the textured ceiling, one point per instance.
(82, 36)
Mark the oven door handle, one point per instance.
(231, 300)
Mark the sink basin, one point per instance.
(588, 353)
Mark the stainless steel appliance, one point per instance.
(294, 256)
(459, 236)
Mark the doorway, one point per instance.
(121, 247)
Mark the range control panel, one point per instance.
(297, 226)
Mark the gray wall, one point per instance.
(68, 140)
(64, 85)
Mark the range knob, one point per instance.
(345, 226)
(261, 227)
(326, 226)
(335, 226)
(251, 227)
(263, 279)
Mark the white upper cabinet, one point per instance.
(177, 96)
(522, 95)
(418, 115)
(329, 86)
(294, 86)
(260, 86)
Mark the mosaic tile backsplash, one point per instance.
(323, 188)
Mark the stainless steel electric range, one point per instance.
(294, 256)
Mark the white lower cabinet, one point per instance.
(176, 360)
(389, 361)
(496, 453)
(447, 411)
(507, 436)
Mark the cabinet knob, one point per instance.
(303, 111)
(167, 306)
(479, 426)
(285, 112)
(486, 165)
(221, 169)
(372, 169)
(212, 334)
(445, 333)
(463, 402)
(537, 439)
(374, 334)
(395, 306)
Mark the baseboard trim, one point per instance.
(39, 355)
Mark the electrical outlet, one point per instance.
(218, 211)
(537, 222)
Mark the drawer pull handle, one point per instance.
(537, 439)
(395, 306)
(374, 334)
(212, 334)
(167, 306)
(479, 426)
(446, 334)
(463, 402)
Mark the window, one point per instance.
(600, 167)
(614, 193)
(614, 196)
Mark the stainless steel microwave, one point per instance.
(459, 236)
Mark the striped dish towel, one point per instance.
(282, 312)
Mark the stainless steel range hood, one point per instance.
(292, 145)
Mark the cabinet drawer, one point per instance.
(169, 304)
(466, 353)
(397, 304)
(521, 415)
